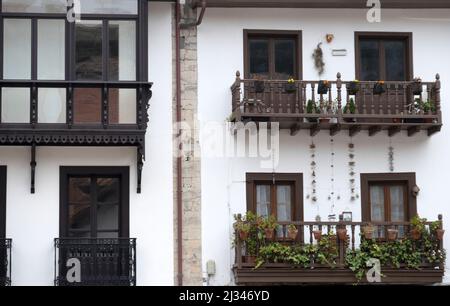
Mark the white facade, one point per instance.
(32, 220)
(220, 54)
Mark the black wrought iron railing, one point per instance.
(95, 262)
(5, 262)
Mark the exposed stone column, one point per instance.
(191, 183)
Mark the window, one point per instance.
(272, 54)
(383, 56)
(2, 202)
(388, 198)
(94, 202)
(40, 44)
(280, 195)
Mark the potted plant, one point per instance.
(290, 86)
(317, 234)
(435, 228)
(292, 232)
(417, 227)
(416, 86)
(350, 108)
(311, 108)
(368, 231)
(392, 234)
(243, 229)
(353, 87)
(259, 84)
(323, 87)
(342, 233)
(268, 225)
(379, 88)
(440, 233)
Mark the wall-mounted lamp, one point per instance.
(415, 191)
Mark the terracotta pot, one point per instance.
(396, 120)
(392, 234)
(269, 233)
(249, 259)
(368, 232)
(317, 235)
(342, 233)
(415, 234)
(292, 234)
(243, 235)
(324, 120)
(428, 120)
(440, 233)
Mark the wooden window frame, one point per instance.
(273, 34)
(3, 177)
(387, 178)
(124, 208)
(274, 179)
(385, 35)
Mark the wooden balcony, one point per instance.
(344, 105)
(283, 271)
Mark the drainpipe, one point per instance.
(179, 160)
(179, 26)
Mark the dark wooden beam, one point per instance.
(335, 129)
(373, 130)
(413, 130)
(315, 128)
(352, 131)
(295, 128)
(396, 4)
(394, 130)
(434, 129)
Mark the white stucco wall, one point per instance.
(33, 219)
(220, 54)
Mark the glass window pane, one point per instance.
(77, 234)
(108, 217)
(395, 60)
(15, 105)
(17, 49)
(51, 49)
(259, 57)
(122, 50)
(51, 105)
(122, 106)
(108, 235)
(109, 6)
(263, 200)
(80, 217)
(370, 60)
(88, 53)
(87, 105)
(284, 59)
(108, 190)
(284, 203)
(377, 203)
(397, 203)
(35, 6)
(79, 191)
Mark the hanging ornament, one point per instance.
(351, 170)
(313, 164)
(391, 157)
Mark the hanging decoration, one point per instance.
(312, 149)
(331, 195)
(391, 157)
(351, 170)
(318, 59)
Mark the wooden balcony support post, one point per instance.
(238, 246)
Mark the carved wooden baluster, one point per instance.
(310, 234)
(405, 97)
(438, 94)
(364, 106)
(303, 84)
(339, 94)
(105, 104)
(313, 94)
(330, 101)
(237, 91)
(380, 103)
(372, 107)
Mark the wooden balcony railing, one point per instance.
(5, 262)
(249, 271)
(102, 262)
(350, 105)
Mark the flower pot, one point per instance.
(368, 232)
(317, 235)
(379, 89)
(353, 88)
(416, 88)
(243, 235)
(342, 233)
(428, 120)
(324, 120)
(440, 234)
(312, 120)
(323, 88)
(259, 86)
(290, 87)
(292, 234)
(249, 259)
(415, 234)
(269, 233)
(392, 234)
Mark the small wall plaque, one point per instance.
(339, 52)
